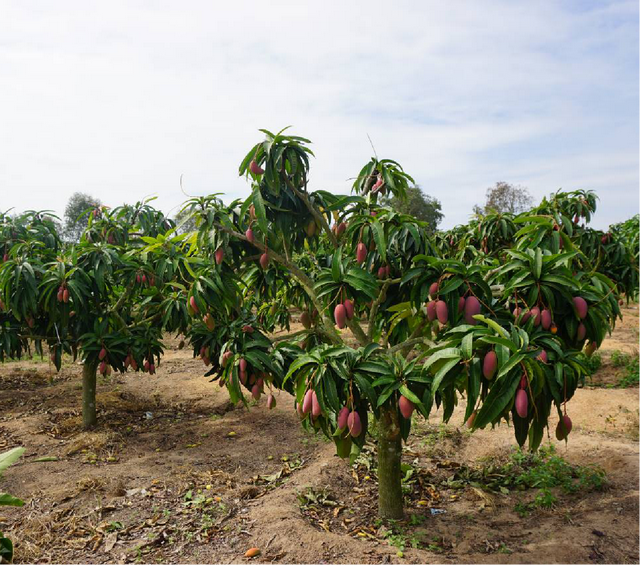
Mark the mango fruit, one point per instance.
(354, 424)
(316, 409)
(537, 316)
(471, 308)
(563, 429)
(546, 320)
(307, 402)
(406, 407)
(581, 307)
(305, 320)
(442, 311)
(490, 365)
(255, 168)
(343, 416)
(340, 315)
(264, 260)
(522, 403)
(361, 253)
(582, 332)
(471, 419)
(348, 306)
(431, 311)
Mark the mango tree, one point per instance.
(100, 299)
(394, 322)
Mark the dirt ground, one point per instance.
(175, 473)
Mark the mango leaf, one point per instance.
(8, 500)
(261, 213)
(10, 457)
(404, 391)
(499, 396)
(378, 236)
(442, 373)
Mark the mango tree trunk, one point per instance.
(89, 394)
(389, 472)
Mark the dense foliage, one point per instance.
(494, 313)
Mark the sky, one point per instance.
(119, 99)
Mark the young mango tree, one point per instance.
(394, 322)
(100, 299)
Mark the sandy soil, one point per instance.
(175, 473)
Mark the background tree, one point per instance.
(505, 197)
(419, 205)
(76, 219)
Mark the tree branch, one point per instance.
(305, 281)
(409, 343)
(376, 304)
(287, 336)
(358, 332)
(314, 211)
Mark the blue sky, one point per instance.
(118, 99)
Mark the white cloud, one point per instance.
(118, 99)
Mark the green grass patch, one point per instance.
(544, 471)
(629, 368)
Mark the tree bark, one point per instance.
(89, 395)
(390, 504)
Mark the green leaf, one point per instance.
(499, 341)
(442, 373)
(365, 388)
(336, 265)
(538, 264)
(378, 236)
(467, 346)
(493, 325)
(10, 457)
(510, 364)
(499, 396)
(261, 213)
(8, 500)
(446, 353)
(404, 391)
(343, 446)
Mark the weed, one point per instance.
(629, 365)
(543, 470)
(396, 536)
(632, 373)
(618, 359)
(592, 363)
